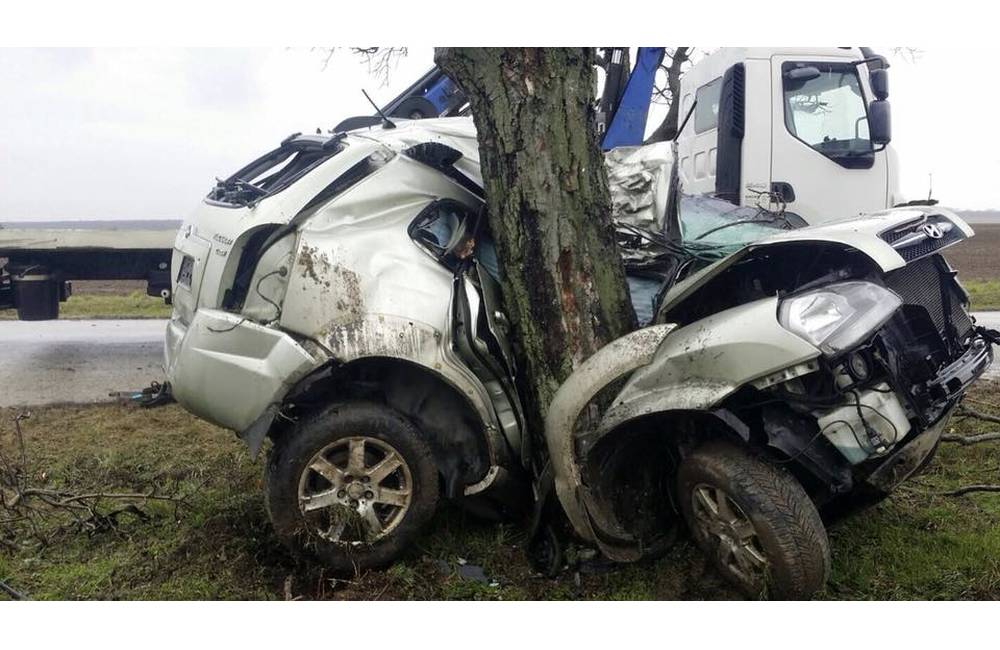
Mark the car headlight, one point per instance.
(838, 316)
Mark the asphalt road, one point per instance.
(80, 361)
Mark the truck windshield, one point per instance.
(827, 111)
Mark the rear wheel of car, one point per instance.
(353, 485)
(754, 521)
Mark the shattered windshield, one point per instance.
(711, 223)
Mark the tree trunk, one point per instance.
(549, 207)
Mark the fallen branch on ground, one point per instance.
(10, 591)
(39, 513)
(969, 412)
(969, 488)
(964, 411)
(970, 440)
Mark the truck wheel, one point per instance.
(352, 484)
(37, 297)
(415, 108)
(754, 521)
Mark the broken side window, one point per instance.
(275, 170)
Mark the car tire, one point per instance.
(754, 521)
(352, 510)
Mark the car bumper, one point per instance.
(910, 457)
(946, 389)
(228, 370)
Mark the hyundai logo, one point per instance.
(932, 230)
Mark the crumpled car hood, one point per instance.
(860, 233)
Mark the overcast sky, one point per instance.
(141, 133)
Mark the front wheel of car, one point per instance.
(353, 485)
(754, 521)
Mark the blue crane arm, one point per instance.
(628, 125)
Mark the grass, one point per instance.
(135, 304)
(983, 294)
(914, 545)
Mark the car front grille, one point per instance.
(912, 242)
(928, 283)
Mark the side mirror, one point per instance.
(879, 80)
(879, 122)
(797, 77)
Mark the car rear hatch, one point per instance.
(268, 192)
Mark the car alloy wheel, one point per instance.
(722, 522)
(357, 489)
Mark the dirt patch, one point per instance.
(978, 258)
(107, 287)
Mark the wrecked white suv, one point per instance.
(341, 296)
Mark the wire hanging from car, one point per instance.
(280, 271)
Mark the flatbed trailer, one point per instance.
(39, 260)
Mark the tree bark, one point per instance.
(548, 205)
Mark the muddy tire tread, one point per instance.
(297, 446)
(796, 531)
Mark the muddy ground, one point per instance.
(978, 258)
(218, 543)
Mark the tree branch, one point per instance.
(10, 591)
(667, 129)
(969, 412)
(970, 440)
(381, 60)
(41, 513)
(969, 488)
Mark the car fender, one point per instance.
(613, 361)
(700, 365)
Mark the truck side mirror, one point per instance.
(879, 80)
(879, 122)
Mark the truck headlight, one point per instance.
(838, 316)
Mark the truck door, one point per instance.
(823, 161)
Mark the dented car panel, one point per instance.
(325, 272)
(869, 412)
(362, 272)
(562, 422)
(865, 234)
(701, 364)
(219, 360)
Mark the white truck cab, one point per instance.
(806, 126)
